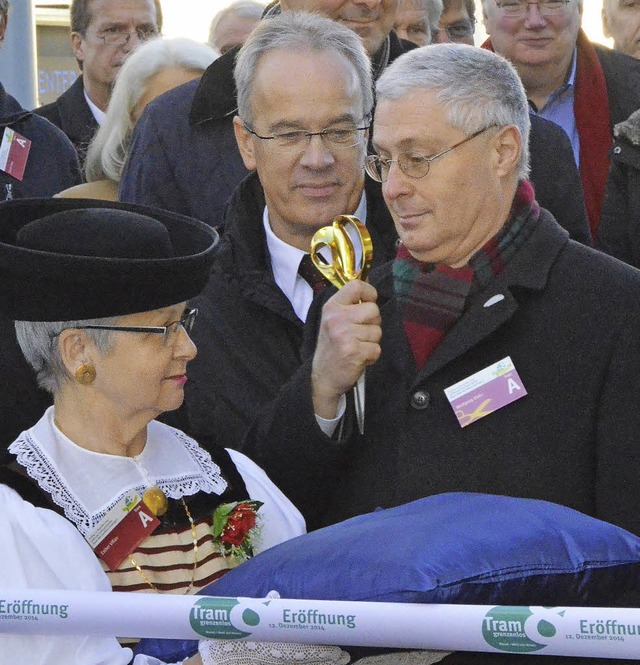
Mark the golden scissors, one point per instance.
(345, 266)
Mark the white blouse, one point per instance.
(42, 550)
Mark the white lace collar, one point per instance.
(88, 484)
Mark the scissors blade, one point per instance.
(358, 398)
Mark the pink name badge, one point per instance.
(122, 529)
(485, 391)
(14, 151)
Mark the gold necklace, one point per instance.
(195, 555)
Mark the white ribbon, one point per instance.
(569, 631)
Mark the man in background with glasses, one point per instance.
(457, 22)
(304, 104)
(103, 34)
(417, 20)
(583, 87)
(500, 355)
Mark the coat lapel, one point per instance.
(529, 269)
(489, 310)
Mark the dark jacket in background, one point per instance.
(620, 225)
(71, 113)
(556, 179)
(247, 334)
(52, 164)
(569, 320)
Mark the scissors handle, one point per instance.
(342, 269)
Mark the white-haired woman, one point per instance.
(98, 292)
(155, 67)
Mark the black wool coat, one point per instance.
(568, 317)
(620, 226)
(71, 113)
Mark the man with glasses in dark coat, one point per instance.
(103, 34)
(304, 103)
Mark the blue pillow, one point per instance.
(476, 549)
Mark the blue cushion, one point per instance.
(450, 548)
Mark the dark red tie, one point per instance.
(311, 274)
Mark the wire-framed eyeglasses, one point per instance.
(519, 8)
(117, 37)
(413, 164)
(332, 137)
(169, 332)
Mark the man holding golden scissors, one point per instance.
(305, 96)
(500, 356)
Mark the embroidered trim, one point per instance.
(37, 464)
(33, 459)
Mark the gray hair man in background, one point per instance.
(231, 26)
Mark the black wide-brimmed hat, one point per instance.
(72, 259)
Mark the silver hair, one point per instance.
(108, 150)
(300, 31)
(476, 87)
(242, 8)
(433, 9)
(38, 341)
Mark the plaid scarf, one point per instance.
(433, 297)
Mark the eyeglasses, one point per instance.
(115, 37)
(413, 164)
(456, 32)
(169, 332)
(519, 8)
(340, 137)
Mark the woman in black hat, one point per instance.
(99, 299)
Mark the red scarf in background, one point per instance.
(593, 121)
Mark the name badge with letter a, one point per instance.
(485, 391)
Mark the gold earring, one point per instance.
(86, 374)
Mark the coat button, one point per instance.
(617, 150)
(420, 400)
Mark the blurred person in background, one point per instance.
(457, 22)
(583, 87)
(36, 158)
(103, 35)
(417, 20)
(621, 21)
(232, 25)
(157, 66)
(620, 226)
